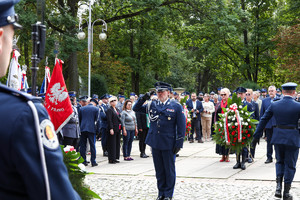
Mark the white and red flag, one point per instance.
(57, 101)
(14, 79)
(46, 80)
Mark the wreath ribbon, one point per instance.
(239, 127)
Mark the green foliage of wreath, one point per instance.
(248, 126)
(76, 175)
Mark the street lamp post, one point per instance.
(81, 36)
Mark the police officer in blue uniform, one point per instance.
(31, 164)
(241, 92)
(88, 118)
(103, 129)
(286, 137)
(165, 136)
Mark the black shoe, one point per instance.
(160, 198)
(85, 163)
(94, 164)
(268, 161)
(177, 155)
(286, 192)
(168, 198)
(111, 162)
(250, 160)
(237, 165)
(278, 187)
(116, 161)
(191, 141)
(243, 166)
(143, 155)
(200, 141)
(105, 153)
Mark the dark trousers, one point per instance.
(127, 143)
(113, 146)
(70, 141)
(92, 139)
(142, 138)
(164, 164)
(286, 160)
(269, 133)
(103, 139)
(195, 126)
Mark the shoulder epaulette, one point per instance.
(19, 94)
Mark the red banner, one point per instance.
(57, 101)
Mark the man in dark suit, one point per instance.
(286, 137)
(142, 125)
(166, 135)
(195, 107)
(266, 102)
(88, 118)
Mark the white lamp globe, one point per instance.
(81, 35)
(102, 36)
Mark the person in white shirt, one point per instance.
(206, 117)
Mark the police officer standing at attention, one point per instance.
(31, 164)
(165, 136)
(286, 137)
(103, 129)
(241, 92)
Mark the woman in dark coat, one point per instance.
(221, 150)
(113, 131)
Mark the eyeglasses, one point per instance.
(113, 100)
(223, 94)
(248, 94)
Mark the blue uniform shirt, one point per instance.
(286, 113)
(167, 123)
(21, 169)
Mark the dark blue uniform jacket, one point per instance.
(167, 124)
(21, 172)
(286, 113)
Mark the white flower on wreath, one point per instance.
(240, 106)
(82, 167)
(242, 111)
(236, 123)
(246, 123)
(221, 125)
(246, 113)
(233, 119)
(248, 120)
(241, 119)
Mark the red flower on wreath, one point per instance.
(233, 127)
(219, 130)
(244, 138)
(221, 137)
(246, 131)
(222, 133)
(233, 144)
(243, 142)
(249, 126)
(233, 133)
(248, 135)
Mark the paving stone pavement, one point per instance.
(200, 175)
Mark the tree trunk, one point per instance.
(247, 56)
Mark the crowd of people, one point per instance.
(110, 118)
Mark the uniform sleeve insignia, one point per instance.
(170, 110)
(48, 135)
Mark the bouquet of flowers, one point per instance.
(188, 127)
(236, 127)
